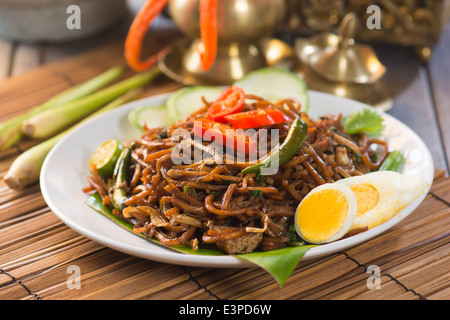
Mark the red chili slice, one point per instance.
(256, 118)
(224, 135)
(230, 101)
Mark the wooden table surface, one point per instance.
(421, 99)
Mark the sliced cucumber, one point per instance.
(275, 83)
(152, 116)
(187, 100)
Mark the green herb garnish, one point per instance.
(368, 122)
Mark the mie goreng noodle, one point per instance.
(178, 197)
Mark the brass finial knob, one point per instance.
(346, 61)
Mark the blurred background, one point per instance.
(405, 63)
(37, 28)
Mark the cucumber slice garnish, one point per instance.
(274, 84)
(187, 100)
(271, 83)
(151, 116)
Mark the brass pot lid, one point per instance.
(338, 58)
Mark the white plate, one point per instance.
(65, 170)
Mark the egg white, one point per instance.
(387, 185)
(411, 188)
(394, 191)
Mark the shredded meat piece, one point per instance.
(244, 244)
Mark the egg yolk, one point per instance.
(322, 214)
(366, 197)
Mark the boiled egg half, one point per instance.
(331, 210)
(326, 213)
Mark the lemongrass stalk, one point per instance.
(86, 88)
(50, 122)
(26, 168)
(11, 129)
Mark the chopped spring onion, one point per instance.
(392, 162)
(255, 193)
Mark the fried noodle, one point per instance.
(214, 203)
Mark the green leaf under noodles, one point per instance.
(279, 263)
(95, 202)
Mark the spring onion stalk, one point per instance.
(25, 170)
(11, 130)
(392, 161)
(50, 122)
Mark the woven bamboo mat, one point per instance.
(38, 252)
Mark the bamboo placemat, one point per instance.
(38, 252)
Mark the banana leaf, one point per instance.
(278, 263)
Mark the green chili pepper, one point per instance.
(120, 178)
(392, 162)
(95, 202)
(292, 144)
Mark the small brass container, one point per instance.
(335, 63)
(343, 60)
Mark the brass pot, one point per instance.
(242, 25)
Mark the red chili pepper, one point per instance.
(149, 11)
(208, 32)
(218, 132)
(133, 43)
(256, 118)
(230, 101)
